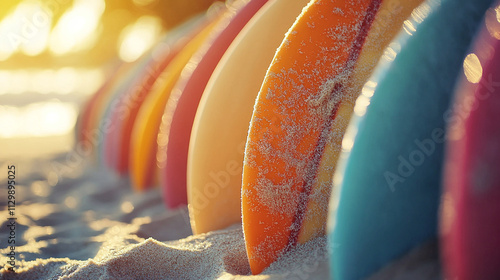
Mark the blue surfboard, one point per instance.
(388, 185)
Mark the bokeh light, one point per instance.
(77, 28)
(138, 37)
(55, 54)
(37, 119)
(25, 29)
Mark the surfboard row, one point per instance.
(369, 121)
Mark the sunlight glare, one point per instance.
(43, 81)
(61, 81)
(138, 37)
(39, 22)
(6, 47)
(76, 30)
(5, 77)
(66, 79)
(26, 29)
(472, 68)
(142, 3)
(37, 119)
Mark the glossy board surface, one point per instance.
(220, 128)
(180, 111)
(296, 122)
(470, 209)
(388, 184)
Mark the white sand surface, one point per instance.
(85, 223)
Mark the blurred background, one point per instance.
(54, 54)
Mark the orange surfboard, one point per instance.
(300, 117)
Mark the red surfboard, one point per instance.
(470, 209)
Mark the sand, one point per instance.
(85, 223)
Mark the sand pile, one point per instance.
(88, 224)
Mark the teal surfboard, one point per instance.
(388, 185)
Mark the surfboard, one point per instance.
(300, 117)
(143, 146)
(113, 105)
(387, 187)
(83, 130)
(123, 115)
(95, 127)
(117, 142)
(221, 123)
(470, 205)
(177, 120)
(98, 106)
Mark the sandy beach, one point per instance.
(89, 224)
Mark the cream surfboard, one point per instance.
(220, 128)
(177, 120)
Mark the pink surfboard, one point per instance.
(180, 111)
(470, 209)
